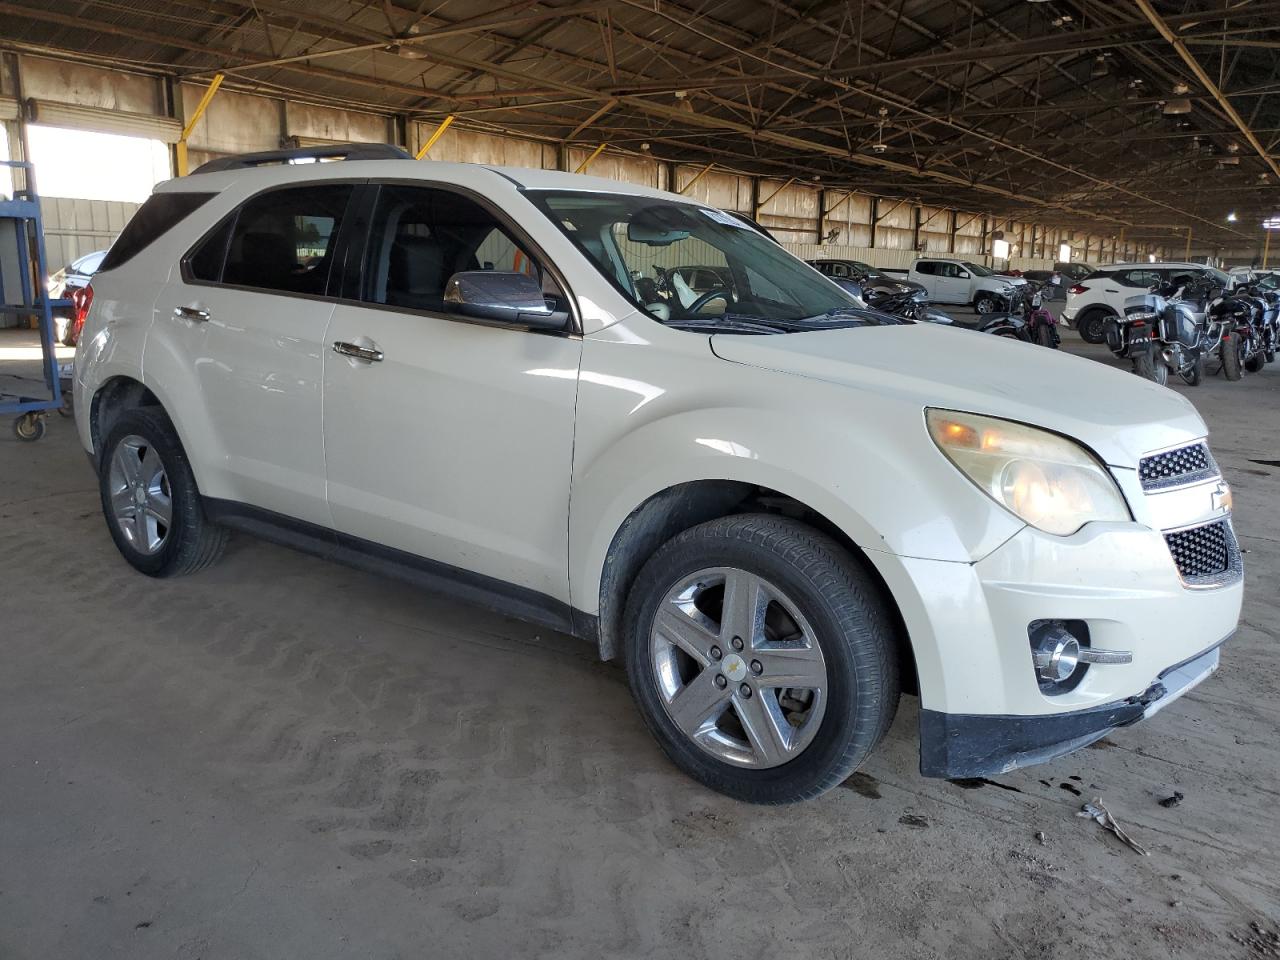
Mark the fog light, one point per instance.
(1055, 653)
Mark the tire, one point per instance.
(1044, 336)
(812, 586)
(1148, 364)
(1092, 327)
(1255, 363)
(29, 427)
(983, 305)
(161, 543)
(1232, 362)
(1193, 376)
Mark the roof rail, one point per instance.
(339, 151)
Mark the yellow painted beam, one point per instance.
(587, 162)
(436, 135)
(696, 177)
(180, 150)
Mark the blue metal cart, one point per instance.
(24, 272)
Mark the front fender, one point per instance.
(678, 414)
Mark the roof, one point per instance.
(983, 105)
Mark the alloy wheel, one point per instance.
(738, 667)
(141, 500)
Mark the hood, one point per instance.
(1119, 416)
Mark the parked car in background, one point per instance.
(1073, 271)
(871, 280)
(1101, 296)
(62, 285)
(1050, 282)
(960, 281)
(777, 516)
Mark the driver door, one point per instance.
(951, 286)
(456, 443)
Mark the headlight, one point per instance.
(1050, 482)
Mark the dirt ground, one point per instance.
(284, 758)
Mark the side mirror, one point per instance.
(501, 297)
(964, 274)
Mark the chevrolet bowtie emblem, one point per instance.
(1221, 497)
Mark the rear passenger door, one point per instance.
(457, 443)
(245, 322)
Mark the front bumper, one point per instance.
(975, 745)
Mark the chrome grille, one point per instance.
(1207, 555)
(1176, 467)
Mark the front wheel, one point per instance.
(983, 305)
(1092, 327)
(150, 499)
(1148, 363)
(761, 657)
(1045, 336)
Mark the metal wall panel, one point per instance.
(67, 82)
(74, 227)
(328, 123)
(474, 147)
(233, 123)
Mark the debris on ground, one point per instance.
(1172, 801)
(912, 820)
(1264, 943)
(1041, 838)
(1095, 811)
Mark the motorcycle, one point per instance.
(1028, 319)
(909, 304)
(1179, 336)
(1237, 347)
(1266, 325)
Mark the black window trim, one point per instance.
(360, 209)
(234, 214)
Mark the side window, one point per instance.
(283, 240)
(161, 213)
(927, 267)
(420, 237)
(838, 270)
(206, 259)
(948, 270)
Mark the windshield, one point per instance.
(698, 268)
(978, 271)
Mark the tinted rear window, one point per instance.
(156, 217)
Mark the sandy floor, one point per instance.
(283, 758)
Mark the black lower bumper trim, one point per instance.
(956, 745)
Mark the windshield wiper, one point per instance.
(729, 323)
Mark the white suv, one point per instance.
(959, 281)
(1101, 295)
(778, 509)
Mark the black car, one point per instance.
(865, 275)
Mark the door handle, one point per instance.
(371, 354)
(191, 313)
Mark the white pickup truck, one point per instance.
(959, 281)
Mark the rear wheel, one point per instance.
(1148, 363)
(150, 500)
(1233, 357)
(1045, 337)
(761, 657)
(1092, 327)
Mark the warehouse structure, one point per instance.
(1027, 130)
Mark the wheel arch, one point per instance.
(677, 508)
(113, 397)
